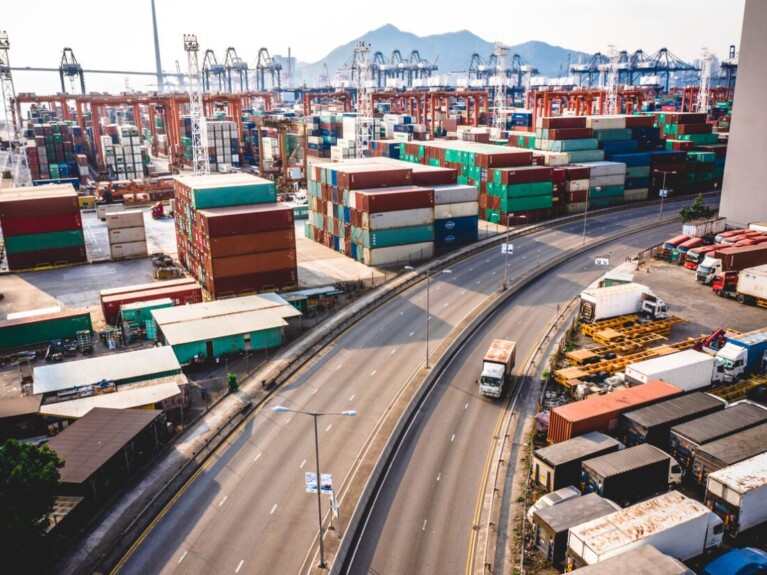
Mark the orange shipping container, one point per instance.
(601, 413)
(227, 246)
(250, 264)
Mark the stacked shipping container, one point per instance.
(180, 292)
(56, 152)
(127, 236)
(123, 154)
(41, 226)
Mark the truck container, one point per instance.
(643, 560)
(496, 367)
(696, 255)
(719, 238)
(688, 370)
(617, 300)
(559, 465)
(668, 246)
(743, 353)
(748, 286)
(601, 412)
(728, 451)
(747, 561)
(738, 494)
(758, 226)
(688, 438)
(630, 474)
(551, 525)
(704, 228)
(652, 424)
(672, 523)
(554, 498)
(730, 259)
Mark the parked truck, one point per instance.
(728, 234)
(738, 494)
(496, 367)
(668, 246)
(748, 286)
(696, 255)
(622, 299)
(704, 228)
(688, 369)
(630, 474)
(747, 561)
(672, 523)
(728, 451)
(730, 259)
(743, 354)
(646, 559)
(679, 253)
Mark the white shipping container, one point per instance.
(614, 180)
(604, 169)
(606, 122)
(612, 301)
(129, 250)
(554, 158)
(398, 254)
(688, 370)
(103, 210)
(702, 228)
(576, 208)
(742, 486)
(753, 282)
(125, 235)
(455, 194)
(125, 219)
(457, 210)
(635, 195)
(578, 185)
(397, 219)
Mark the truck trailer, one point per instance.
(688, 438)
(730, 259)
(747, 561)
(622, 299)
(743, 354)
(704, 228)
(748, 286)
(559, 465)
(630, 474)
(728, 451)
(643, 560)
(688, 370)
(672, 523)
(652, 424)
(738, 494)
(496, 367)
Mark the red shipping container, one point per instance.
(493, 203)
(687, 118)
(570, 133)
(694, 129)
(577, 172)
(28, 260)
(367, 176)
(30, 203)
(504, 159)
(576, 197)
(227, 246)
(180, 294)
(394, 199)
(250, 283)
(250, 263)
(601, 413)
(238, 220)
(41, 225)
(563, 122)
(427, 176)
(558, 174)
(525, 175)
(640, 121)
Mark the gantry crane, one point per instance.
(70, 68)
(364, 120)
(200, 160)
(499, 104)
(234, 64)
(264, 64)
(705, 81)
(323, 80)
(17, 154)
(210, 66)
(729, 68)
(611, 86)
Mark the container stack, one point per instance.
(606, 184)
(41, 226)
(323, 131)
(223, 145)
(576, 192)
(127, 236)
(232, 235)
(571, 135)
(52, 157)
(456, 219)
(123, 154)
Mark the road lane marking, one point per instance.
(222, 501)
(439, 476)
(392, 351)
(328, 427)
(401, 313)
(339, 366)
(466, 406)
(302, 464)
(289, 418)
(273, 508)
(257, 456)
(463, 292)
(492, 274)
(352, 398)
(372, 373)
(424, 525)
(239, 566)
(478, 282)
(452, 438)
(411, 334)
(447, 304)
(182, 557)
(316, 389)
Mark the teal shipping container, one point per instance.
(510, 205)
(396, 236)
(39, 242)
(612, 135)
(586, 156)
(140, 311)
(606, 192)
(637, 171)
(41, 329)
(571, 145)
(257, 193)
(527, 190)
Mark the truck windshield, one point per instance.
(727, 363)
(704, 269)
(491, 381)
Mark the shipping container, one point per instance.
(252, 283)
(601, 413)
(217, 191)
(403, 254)
(125, 219)
(393, 199)
(450, 211)
(34, 202)
(239, 220)
(129, 250)
(398, 219)
(40, 329)
(455, 194)
(688, 370)
(45, 241)
(125, 235)
(58, 256)
(250, 264)
(559, 465)
(146, 287)
(42, 224)
(270, 241)
(180, 294)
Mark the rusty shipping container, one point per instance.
(227, 246)
(601, 413)
(250, 264)
(524, 175)
(29, 260)
(562, 122)
(181, 295)
(394, 199)
(249, 283)
(238, 220)
(42, 224)
(427, 176)
(31, 203)
(364, 177)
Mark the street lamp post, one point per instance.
(428, 283)
(586, 211)
(315, 415)
(663, 191)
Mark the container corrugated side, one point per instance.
(125, 219)
(51, 240)
(458, 210)
(129, 250)
(455, 194)
(125, 235)
(398, 254)
(397, 219)
(58, 256)
(42, 224)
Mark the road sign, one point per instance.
(507, 249)
(326, 483)
(663, 193)
(602, 261)
(311, 481)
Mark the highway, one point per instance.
(247, 511)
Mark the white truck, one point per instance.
(744, 353)
(738, 494)
(689, 370)
(704, 228)
(622, 299)
(672, 523)
(496, 367)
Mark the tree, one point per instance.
(29, 479)
(696, 210)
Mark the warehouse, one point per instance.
(19, 419)
(559, 465)
(217, 328)
(119, 368)
(37, 328)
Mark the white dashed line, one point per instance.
(392, 351)
(339, 366)
(452, 438)
(447, 304)
(424, 526)
(411, 334)
(182, 557)
(466, 406)
(257, 456)
(463, 292)
(328, 427)
(316, 389)
(302, 464)
(222, 501)
(239, 566)
(479, 282)
(273, 508)
(439, 476)
(352, 398)
(492, 274)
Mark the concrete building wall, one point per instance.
(744, 189)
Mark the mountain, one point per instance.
(452, 52)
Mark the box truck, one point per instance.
(748, 286)
(738, 494)
(623, 299)
(496, 367)
(728, 451)
(688, 370)
(559, 465)
(645, 560)
(742, 354)
(672, 523)
(730, 259)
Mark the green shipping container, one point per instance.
(257, 193)
(572, 145)
(637, 171)
(700, 139)
(139, 312)
(51, 240)
(509, 205)
(41, 329)
(612, 135)
(527, 190)
(587, 156)
(606, 192)
(396, 236)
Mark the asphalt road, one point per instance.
(248, 512)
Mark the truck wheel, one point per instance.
(720, 292)
(741, 299)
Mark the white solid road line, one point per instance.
(439, 476)
(411, 334)
(352, 398)
(372, 373)
(339, 366)
(392, 351)
(239, 566)
(182, 557)
(222, 501)
(316, 389)
(466, 406)
(424, 525)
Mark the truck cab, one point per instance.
(707, 269)
(734, 359)
(653, 307)
(553, 498)
(725, 283)
(496, 367)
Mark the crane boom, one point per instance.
(200, 161)
(17, 154)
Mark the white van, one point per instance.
(553, 498)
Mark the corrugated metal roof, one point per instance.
(737, 447)
(744, 476)
(672, 409)
(622, 399)
(131, 398)
(114, 367)
(94, 439)
(16, 406)
(722, 423)
(625, 459)
(225, 307)
(643, 560)
(637, 522)
(562, 516)
(575, 448)
(222, 326)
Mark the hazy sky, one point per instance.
(118, 34)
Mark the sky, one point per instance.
(112, 34)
